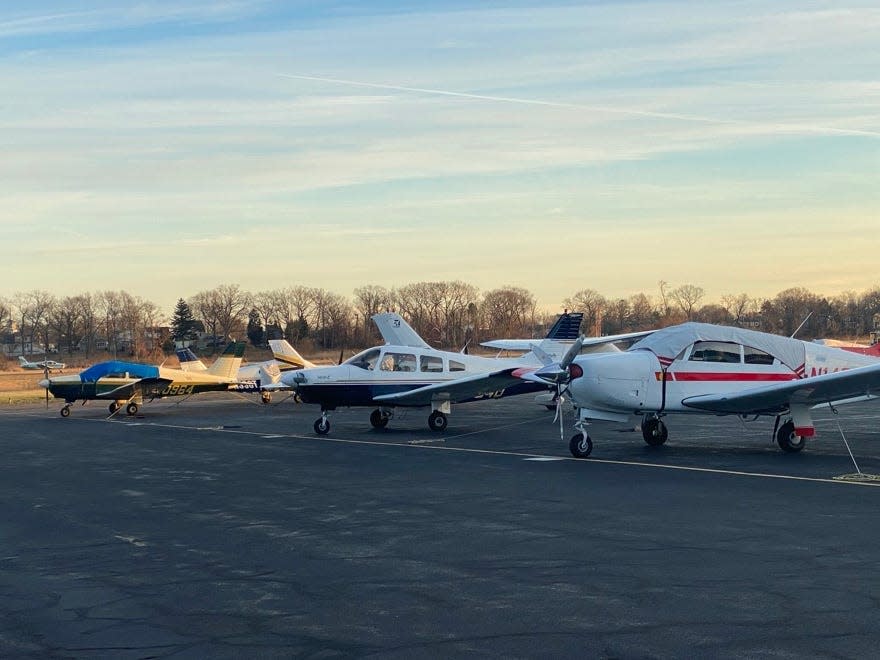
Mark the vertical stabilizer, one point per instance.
(287, 356)
(226, 366)
(396, 331)
(189, 361)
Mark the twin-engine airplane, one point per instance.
(45, 365)
(261, 376)
(130, 383)
(407, 372)
(703, 368)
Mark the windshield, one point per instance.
(365, 360)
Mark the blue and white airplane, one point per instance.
(407, 372)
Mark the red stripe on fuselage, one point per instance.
(720, 376)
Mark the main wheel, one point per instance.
(788, 440)
(65, 411)
(322, 426)
(131, 408)
(266, 397)
(378, 419)
(114, 407)
(654, 432)
(437, 421)
(580, 445)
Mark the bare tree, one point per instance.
(642, 315)
(509, 312)
(66, 320)
(370, 300)
(592, 304)
(687, 297)
(33, 309)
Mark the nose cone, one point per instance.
(45, 383)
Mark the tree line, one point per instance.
(447, 314)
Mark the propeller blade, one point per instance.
(572, 353)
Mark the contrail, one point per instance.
(591, 108)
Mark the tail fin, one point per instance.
(189, 361)
(287, 356)
(562, 335)
(397, 332)
(567, 326)
(226, 366)
(22, 361)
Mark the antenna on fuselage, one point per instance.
(803, 323)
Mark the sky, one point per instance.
(165, 148)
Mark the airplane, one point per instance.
(408, 372)
(130, 383)
(710, 369)
(45, 365)
(261, 374)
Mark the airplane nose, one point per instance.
(45, 383)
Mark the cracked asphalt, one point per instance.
(220, 528)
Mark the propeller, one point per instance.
(559, 375)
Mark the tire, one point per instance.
(131, 409)
(266, 398)
(437, 421)
(114, 407)
(65, 411)
(378, 420)
(580, 445)
(322, 426)
(788, 440)
(654, 432)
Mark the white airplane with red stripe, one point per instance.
(702, 368)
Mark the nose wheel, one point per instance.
(322, 425)
(580, 445)
(266, 397)
(65, 411)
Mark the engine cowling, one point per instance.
(628, 382)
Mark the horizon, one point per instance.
(169, 147)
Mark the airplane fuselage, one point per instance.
(395, 369)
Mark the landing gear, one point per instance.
(654, 431)
(266, 397)
(379, 418)
(580, 445)
(65, 411)
(788, 440)
(114, 406)
(131, 409)
(437, 421)
(322, 425)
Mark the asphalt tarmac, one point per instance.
(222, 528)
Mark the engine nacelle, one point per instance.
(629, 382)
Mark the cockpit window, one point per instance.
(365, 360)
(398, 362)
(716, 351)
(756, 356)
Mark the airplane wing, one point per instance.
(777, 397)
(526, 344)
(459, 389)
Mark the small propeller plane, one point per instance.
(128, 384)
(261, 376)
(407, 372)
(44, 365)
(711, 369)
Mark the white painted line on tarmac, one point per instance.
(494, 452)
